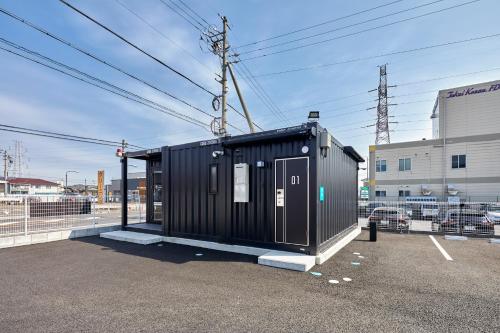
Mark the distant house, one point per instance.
(33, 186)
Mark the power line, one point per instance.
(401, 84)
(146, 53)
(448, 77)
(61, 136)
(137, 47)
(194, 12)
(181, 15)
(161, 108)
(93, 78)
(93, 56)
(107, 63)
(319, 24)
(359, 32)
(188, 14)
(262, 94)
(341, 28)
(299, 69)
(160, 33)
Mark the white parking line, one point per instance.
(440, 248)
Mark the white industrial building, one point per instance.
(461, 160)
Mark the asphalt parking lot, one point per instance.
(403, 283)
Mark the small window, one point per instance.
(212, 179)
(404, 164)
(458, 161)
(381, 166)
(404, 193)
(380, 193)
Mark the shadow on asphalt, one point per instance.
(173, 253)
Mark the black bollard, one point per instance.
(373, 231)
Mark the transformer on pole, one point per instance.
(219, 45)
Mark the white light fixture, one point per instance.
(313, 116)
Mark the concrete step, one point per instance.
(287, 260)
(132, 237)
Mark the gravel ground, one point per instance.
(98, 285)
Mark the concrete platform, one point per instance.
(249, 250)
(279, 259)
(287, 260)
(133, 237)
(337, 246)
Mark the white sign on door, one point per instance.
(280, 198)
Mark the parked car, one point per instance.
(390, 217)
(408, 208)
(467, 221)
(371, 206)
(493, 214)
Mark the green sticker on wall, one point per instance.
(321, 194)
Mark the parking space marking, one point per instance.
(441, 249)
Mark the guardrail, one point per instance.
(465, 218)
(23, 215)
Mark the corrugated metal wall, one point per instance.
(337, 172)
(195, 212)
(192, 210)
(254, 221)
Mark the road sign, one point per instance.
(100, 186)
(363, 192)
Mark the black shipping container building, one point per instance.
(292, 189)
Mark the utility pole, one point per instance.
(5, 165)
(223, 130)
(7, 160)
(382, 125)
(218, 44)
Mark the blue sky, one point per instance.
(36, 97)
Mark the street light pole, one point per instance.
(66, 179)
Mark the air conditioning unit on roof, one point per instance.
(426, 190)
(452, 189)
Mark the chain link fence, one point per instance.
(461, 218)
(27, 214)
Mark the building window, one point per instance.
(380, 193)
(458, 161)
(381, 166)
(404, 193)
(404, 164)
(212, 179)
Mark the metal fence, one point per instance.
(464, 218)
(26, 214)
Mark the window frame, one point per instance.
(406, 193)
(458, 164)
(213, 185)
(379, 165)
(406, 164)
(378, 192)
